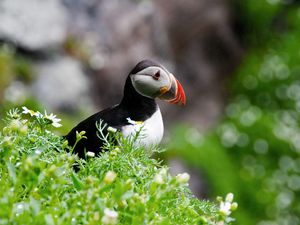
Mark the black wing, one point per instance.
(114, 117)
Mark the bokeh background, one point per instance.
(239, 62)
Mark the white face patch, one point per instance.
(151, 130)
(147, 84)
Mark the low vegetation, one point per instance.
(39, 185)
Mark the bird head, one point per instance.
(152, 80)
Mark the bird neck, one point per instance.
(132, 100)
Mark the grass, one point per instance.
(124, 185)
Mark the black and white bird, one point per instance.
(137, 110)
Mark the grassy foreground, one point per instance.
(38, 184)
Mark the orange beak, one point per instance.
(173, 94)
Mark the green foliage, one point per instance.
(256, 18)
(254, 151)
(15, 73)
(12, 67)
(124, 185)
(6, 69)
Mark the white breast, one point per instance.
(151, 130)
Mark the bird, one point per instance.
(136, 112)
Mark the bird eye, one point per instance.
(156, 75)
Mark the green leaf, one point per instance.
(11, 171)
(76, 182)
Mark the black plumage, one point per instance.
(133, 105)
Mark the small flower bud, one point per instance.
(158, 178)
(234, 206)
(28, 163)
(65, 144)
(183, 178)
(5, 130)
(110, 176)
(90, 180)
(117, 149)
(52, 169)
(82, 133)
(143, 198)
(115, 152)
(219, 199)
(15, 125)
(90, 154)
(123, 203)
(111, 129)
(129, 184)
(38, 152)
(71, 158)
(23, 130)
(229, 197)
(7, 142)
(96, 216)
(163, 172)
(110, 217)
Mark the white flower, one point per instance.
(183, 178)
(27, 111)
(110, 217)
(31, 112)
(52, 118)
(225, 208)
(110, 176)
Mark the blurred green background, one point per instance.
(252, 148)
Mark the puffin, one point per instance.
(136, 112)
